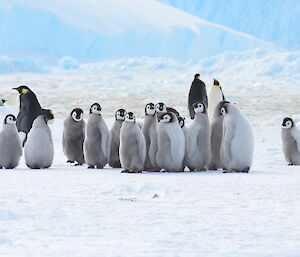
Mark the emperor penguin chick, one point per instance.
(237, 146)
(73, 136)
(114, 140)
(132, 146)
(215, 95)
(290, 136)
(96, 139)
(10, 144)
(171, 143)
(39, 149)
(216, 138)
(198, 152)
(149, 131)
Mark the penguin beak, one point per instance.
(15, 88)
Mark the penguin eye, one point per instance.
(223, 111)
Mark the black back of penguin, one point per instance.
(30, 108)
(197, 93)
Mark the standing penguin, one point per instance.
(171, 143)
(10, 144)
(114, 140)
(39, 149)
(290, 136)
(149, 131)
(237, 142)
(161, 109)
(96, 139)
(73, 136)
(197, 93)
(184, 129)
(215, 95)
(198, 152)
(132, 146)
(216, 138)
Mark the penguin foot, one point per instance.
(68, 161)
(90, 167)
(78, 164)
(291, 164)
(125, 171)
(131, 171)
(99, 167)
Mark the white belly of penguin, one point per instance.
(214, 97)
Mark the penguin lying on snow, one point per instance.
(96, 139)
(198, 152)
(114, 140)
(237, 142)
(10, 144)
(197, 93)
(290, 136)
(132, 146)
(171, 143)
(73, 137)
(39, 149)
(149, 131)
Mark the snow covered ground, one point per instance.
(72, 211)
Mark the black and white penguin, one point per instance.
(150, 133)
(161, 109)
(96, 139)
(114, 140)
(237, 147)
(73, 136)
(132, 146)
(197, 93)
(171, 143)
(10, 144)
(290, 136)
(39, 148)
(215, 95)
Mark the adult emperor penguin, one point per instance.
(96, 139)
(198, 151)
(30, 108)
(237, 142)
(132, 146)
(171, 143)
(197, 93)
(149, 131)
(73, 136)
(290, 136)
(10, 144)
(216, 138)
(39, 149)
(215, 95)
(114, 140)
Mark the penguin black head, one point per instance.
(168, 117)
(161, 107)
(22, 89)
(181, 121)
(10, 119)
(216, 83)
(95, 108)
(130, 117)
(199, 107)
(224, 108)
(120, 114)
(3, 101)
(287, 123)
(77, 114)
(48, 114)
(150, 109)
(197, 76)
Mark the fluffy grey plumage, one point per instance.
(39, 150)
(132, 145)
(73, 137)
(171, 143)
(10, 144)
(96, 140)
(149, 131)
(198, 152)
(216, 138)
